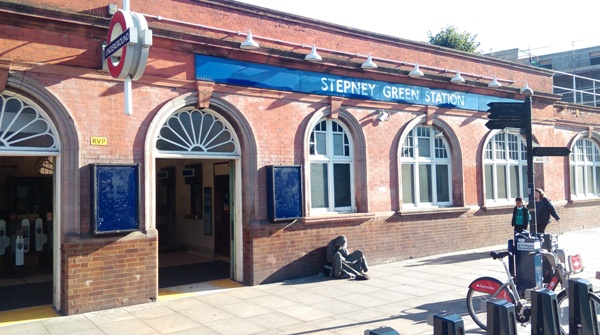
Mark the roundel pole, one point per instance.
(126, 53)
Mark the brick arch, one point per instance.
(458, 192)
(248, 150)
(360, 153)
(67, 177)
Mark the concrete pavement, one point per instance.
(400, 295)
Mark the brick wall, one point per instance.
(291, 251)
(108, 272)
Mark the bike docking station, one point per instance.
(582, 313)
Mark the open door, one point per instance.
(165, 207)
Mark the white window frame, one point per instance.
(436, 137)
(330, 159)
(584, 163)
(510, 152)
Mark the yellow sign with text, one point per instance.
(99, 141)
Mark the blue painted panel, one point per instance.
(284, 192)
(115, 198)
(234, 72)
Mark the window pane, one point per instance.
(501, 171)
(589, 180)
(579, 182)
(408, 186)
(525, 184)
(318, 185)
(573, 188)
(338, 144)
(341, 184)
(321, 144)
(597, 189)
(441, 178)
(425, 183)
(407, 148)
(424, 147)
(514, 181)
(489, 182)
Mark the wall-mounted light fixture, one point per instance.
(526, 90)
(416, 72)
(313, 56)
(457, 78)
(439, 134)
(249, 43)
(368, 64)
(383, 116)
(494, 83)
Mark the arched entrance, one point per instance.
(194, 197)
(29, 152)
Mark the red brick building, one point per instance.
(401, 164)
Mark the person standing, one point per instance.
(543, 210)
(520, 217)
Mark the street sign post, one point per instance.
(551, 151)
(506, 115)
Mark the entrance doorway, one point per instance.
(26, 231)
(190, 206)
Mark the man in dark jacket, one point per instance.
(345, 265)
(543, 210)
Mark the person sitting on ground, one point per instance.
(345, 265)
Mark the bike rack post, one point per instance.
(544, 312)
(581, 313)
(448, 324)
(501, 318)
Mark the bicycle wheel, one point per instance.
(482, 290)
(563, 311)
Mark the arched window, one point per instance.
(585, 169)
(24, 126)
(331, 168)
(194, 131)
(426, 169)
(505, 168)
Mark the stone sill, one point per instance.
(426, 211)
(338, 218)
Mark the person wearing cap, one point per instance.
(345, 265)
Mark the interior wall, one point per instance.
(189, 230)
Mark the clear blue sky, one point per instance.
(539, 27)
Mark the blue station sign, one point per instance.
(239, 73)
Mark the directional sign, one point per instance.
(505, 123)
(507, 115)
(551, 151)
(506, 110)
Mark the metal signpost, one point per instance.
(518, 115)
(129, 41)
(528, 261)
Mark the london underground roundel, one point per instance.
(120, 48)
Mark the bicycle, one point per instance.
(484, 289)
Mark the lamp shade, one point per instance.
(457, 78)
(368, 64)
(416, 72)
(313, 56)
(249, 43)
(494, 83)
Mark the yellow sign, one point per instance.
(98, 141)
